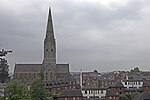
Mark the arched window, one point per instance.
(46, 76)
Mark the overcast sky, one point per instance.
(91, 34)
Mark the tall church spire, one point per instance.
(49, 42)
(49, 30)
(49, 61)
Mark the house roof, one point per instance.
(110, 93)
(142, 96)
(93, 88)
(146, 84)
(117, 84)
(133, 80)
(70, 93)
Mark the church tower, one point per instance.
(49, 61)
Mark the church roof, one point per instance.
(62, 65)
(28, 68)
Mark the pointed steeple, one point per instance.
(49, 30)
(49, 43)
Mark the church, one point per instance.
(56, 76)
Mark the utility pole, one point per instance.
(4, 66)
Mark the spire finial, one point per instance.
(49, 30)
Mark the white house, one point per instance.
(94, 92)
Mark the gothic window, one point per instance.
(66, 75)
(46, 77)
(58, 75)
(51, 49)
(46, 84)
(34, 75)
(25, 75)
(46, 49)
(51, 75)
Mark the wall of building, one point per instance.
(135, 84)
(94, 93)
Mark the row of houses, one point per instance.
(139, 87)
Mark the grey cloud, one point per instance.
(89, 35)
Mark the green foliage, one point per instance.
(16, 91)
(52, 95)
(1, 98)
(135, 70)
(4, 76)
(123, 97)
(38, 91)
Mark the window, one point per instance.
(125, 83)
(66, 99)
(98, 91)
(101, 91)
(51, 49)
(51, 75)
(85, 92)
(139, 83)
(46, 78)
(74, 98)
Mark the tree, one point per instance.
(1, 98)
(4, 76)
(129, 96)
(123, 97)
(16, 91)
(4, 66)
(38, 91)
(53, 95)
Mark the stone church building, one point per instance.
(56, 76)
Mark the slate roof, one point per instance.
(146, 84)
(133, 89)
(142, 96)
(117, 84)
(62, 65)
(36, 67)
(71, 93)
(27, 68)
(110, 93)
(93, 88)
(132, 80)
